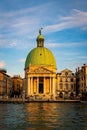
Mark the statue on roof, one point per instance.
(40, 30)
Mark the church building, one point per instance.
(40, 72)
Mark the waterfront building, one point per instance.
(5, 83)
(66, 84)
(17, 85)
(81, 80)
(40, 72)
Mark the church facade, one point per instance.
(41, 78)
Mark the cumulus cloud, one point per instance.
(2, 64)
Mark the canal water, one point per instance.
(43, 116)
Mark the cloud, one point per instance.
(83, 57)
(2, 64)
(1, 42)
(24, 17)
(16, 43)
(13, 44)
(68, 44)
(19, 12)
(21, 22)
(76, 19)
(8, 43)
(22, 60)
(22, 74)
(20, 26)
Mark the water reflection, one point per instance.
(43, 116)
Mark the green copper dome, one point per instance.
(40, 56)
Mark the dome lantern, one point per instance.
(40, 39)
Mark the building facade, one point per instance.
(81, 81)
(17, 86)
(40, 72)
(5, 83)
(66, 84)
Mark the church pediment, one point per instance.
(42, 70)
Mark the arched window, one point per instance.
(61, 95)
(71, 79)
(66, 73)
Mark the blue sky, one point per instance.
(64, 25)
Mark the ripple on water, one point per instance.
(43, 116)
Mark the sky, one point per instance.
(64, 24)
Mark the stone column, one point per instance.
(37, 85)
(28, 87)
(50, 86)
(31, 85)
(44, 85)
(53, 86)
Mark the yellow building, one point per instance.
(17, 85)
(40, 72)
(5, 83)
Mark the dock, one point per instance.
(20, 101)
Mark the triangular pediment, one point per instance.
(42, 70)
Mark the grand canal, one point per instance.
(43, 116)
